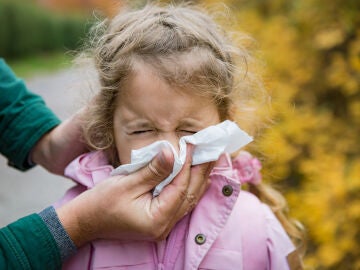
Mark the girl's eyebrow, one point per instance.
(138, 124)
(189, 122)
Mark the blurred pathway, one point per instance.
(24, 193)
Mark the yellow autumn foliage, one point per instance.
(311, 51)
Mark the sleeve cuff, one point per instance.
(66, 246)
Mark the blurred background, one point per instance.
(311, 152)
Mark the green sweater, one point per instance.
(28, 243)
(24, 118)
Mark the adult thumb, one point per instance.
(156, 171)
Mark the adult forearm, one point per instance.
(24, 118)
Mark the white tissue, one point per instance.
(209, 143)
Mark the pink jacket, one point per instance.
(228, 229)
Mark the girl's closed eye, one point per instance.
(185, 132)
(141, 132)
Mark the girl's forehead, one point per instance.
(145, 90)
(145, 81)
(144, 76)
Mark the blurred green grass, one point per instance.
(27, 67)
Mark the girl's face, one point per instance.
(149, 110)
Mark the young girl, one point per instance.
(165, 73)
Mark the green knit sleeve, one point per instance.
(28, 244)
(24, 118)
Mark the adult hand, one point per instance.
(57, 148)
(124, 208)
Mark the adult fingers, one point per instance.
(167, 204)
(199, 182)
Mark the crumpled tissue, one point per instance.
(209, 143)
